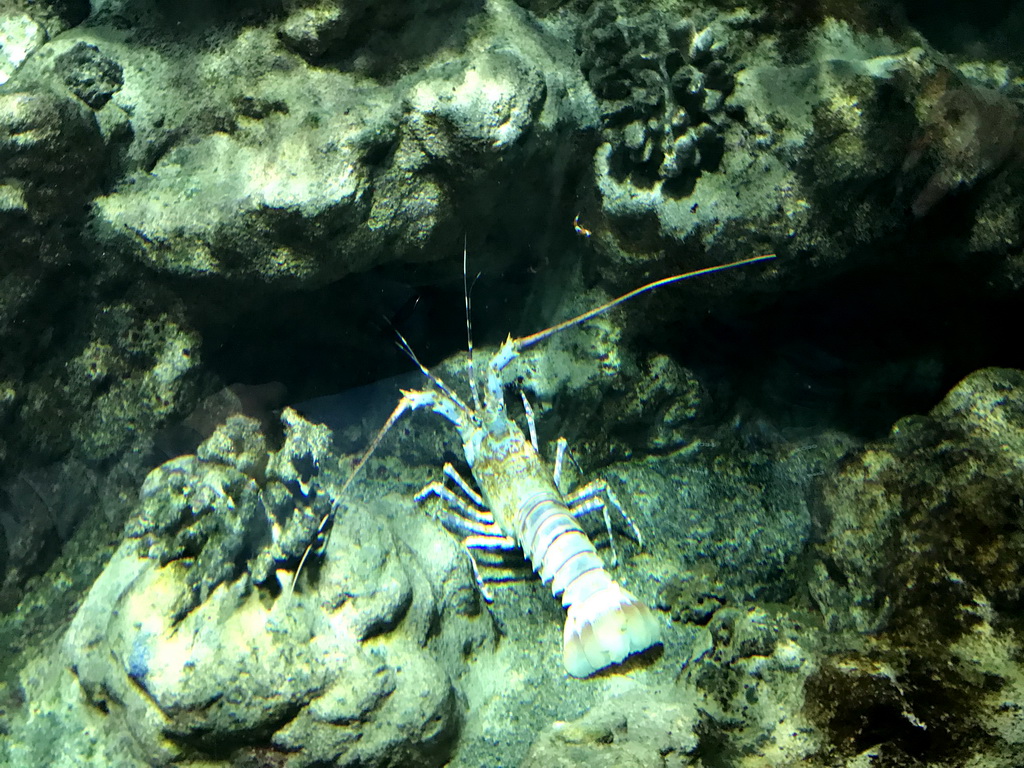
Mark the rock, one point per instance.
(634, 730)
(90, 75)
(186, 653)
(952, 475)
(20, 36)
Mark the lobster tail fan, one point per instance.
(604, 629)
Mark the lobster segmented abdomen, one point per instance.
(605, 623)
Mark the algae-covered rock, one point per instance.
(133, 368)
(951, 476)
(922, 546)
(90, 75)
(323, 173)
(20, 36)
(379, 38)
(52, 154)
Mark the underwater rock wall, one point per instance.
(196, 194)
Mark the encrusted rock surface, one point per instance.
(922, 547)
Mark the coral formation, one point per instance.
(661, 90)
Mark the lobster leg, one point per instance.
(468, 520)
(500, 543)
(598, 494)
(531, 422)
(451, 472)
(561, 447)
(474, 533)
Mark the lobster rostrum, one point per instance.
(519, 505)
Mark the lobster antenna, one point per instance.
(470, 369)
(402, 407)
(529, 341)
(448, 391)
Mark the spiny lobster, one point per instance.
(519, 505)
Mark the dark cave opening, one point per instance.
(346, 334)
(855, 353)
(861, 351)
(988, 29)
